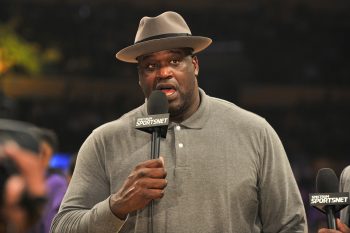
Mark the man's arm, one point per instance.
(281, 205)
(88, 205)
(85, 206)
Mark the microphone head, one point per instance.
(327, 181)
(157, 103)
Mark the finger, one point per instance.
(149, 172)
(153, 163)
(162, 159)
(150, 183)
(152, 194)
(324, 230)
(141, 171)
(143, 195)
(342, 227)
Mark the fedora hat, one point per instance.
(165, 31)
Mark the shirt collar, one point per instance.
(201, 116)
(197, 120)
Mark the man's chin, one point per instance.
(175, 111)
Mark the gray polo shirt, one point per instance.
(227, 172)
(345, 187)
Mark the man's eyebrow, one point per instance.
(143, 57)
(179, 51)
(175, 51)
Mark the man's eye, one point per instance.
(150, 66)
(175, 61)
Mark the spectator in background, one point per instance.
(56, 180)
(22, 185)
(23, 193)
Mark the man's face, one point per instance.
(174, 73)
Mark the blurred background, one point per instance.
(287, 61)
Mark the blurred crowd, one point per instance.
(31, 190)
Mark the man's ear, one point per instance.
(196, 65)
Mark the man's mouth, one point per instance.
(167, 89)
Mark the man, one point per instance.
(22, 186)
(222, 169)
(344, 185)
(56, 180)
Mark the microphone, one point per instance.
(328, 199)
(156, 123)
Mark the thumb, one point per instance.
(162, 159)
(342, 227)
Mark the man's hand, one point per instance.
(146, 183)
(29, 166)
(342, 228)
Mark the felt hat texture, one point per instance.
(165, 31)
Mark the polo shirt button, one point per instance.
(178, 127)
(181, 145)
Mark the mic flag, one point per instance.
(158, 118)
(321, 200)
(328, 199)
(327, 187)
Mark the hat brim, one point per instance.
(130, 53)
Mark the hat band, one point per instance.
(163, 36)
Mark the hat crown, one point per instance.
(163, 32)
(164, 24)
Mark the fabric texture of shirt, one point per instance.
(345, 187)
(227, 172)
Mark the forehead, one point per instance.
(169, 52)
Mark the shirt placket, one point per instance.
(180, 146)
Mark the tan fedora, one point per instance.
(165, 31)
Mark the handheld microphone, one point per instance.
(156, 123)
(328, 199)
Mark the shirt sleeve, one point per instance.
(85, 207)
(281, 205)
(344, 186)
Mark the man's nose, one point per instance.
(165, 71)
